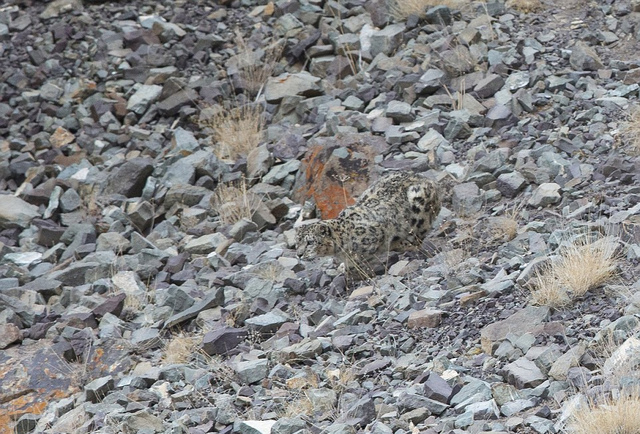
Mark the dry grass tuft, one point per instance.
(612, 416)
(630, 130)
(295, 407)
(401, 9)
(256, 66)
(235, 132)
(180, 349)
(580, 267)
(233, 202)
(525, 6)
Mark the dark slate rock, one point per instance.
(215, 297)
(96, 390)
(112, 305)
(438, 389)
(222, 340)
(129, 179)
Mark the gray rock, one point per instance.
(625, 358)
(438, 389)
(267, 323)
(252, 371)
(129, 178)
(259, 161)
(177, 298)
(96, 390)
(114, 242)
(584, 58)
(70, 201)
(546, 194)
(9, 334)
(253, 426)
(467, 199)
(146, 337)
(524, 373)
(79, 273)
(205, 244)
(387, 40)
(510, 184)
(15, 212)
(213, 298)
(430, 81)
(517, 324)
(540, 425)
(488, 86)
(439, 15)
(57, 7)
(571, 358)
(303, 84)
(399, 111)
(184, 140)
(141, 215)
(142, 421)
(144, 96)
(362, 412)
(305, 350)
(517, 406)
(288, 425)
(220, 341)
(474, 391)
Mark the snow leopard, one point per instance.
(394, 214)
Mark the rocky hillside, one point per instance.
(156, 158)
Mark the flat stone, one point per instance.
(467, 199)
(254, 426)
(431, 141)
(15, 212)
(146, 337)
(489, 85)
(215, 297)
(546, 194)
(584, 58)
(303, 84)
(267, 323)
(144, 96)
(9, 334)
(399, 111)
(129, 178)
(387, 40)
(222, 340)
(524, 373)
(425, 318)
(517, 324)
(97, 390)
(510, 184)
(568, 360)
(252, 371)
(205, 244)
(440, 15)
(435, 387)
(288, 425)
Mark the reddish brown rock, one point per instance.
(335, 170)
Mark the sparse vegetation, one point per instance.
(611, 416)
(256, 66)
(401, 9)
(234, 132)
(180, 349)
(233, 202)
(630, 130)
(580, 266)
(526, 6)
